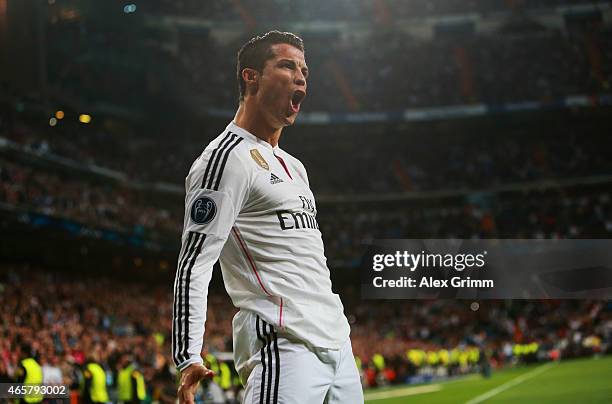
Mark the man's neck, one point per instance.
(249, 119)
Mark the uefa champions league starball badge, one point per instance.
(203, 210)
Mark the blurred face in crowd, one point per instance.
(281, 86)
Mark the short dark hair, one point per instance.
(257, 51)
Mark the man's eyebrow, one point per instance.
(292, 62)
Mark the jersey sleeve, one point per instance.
(216, 190)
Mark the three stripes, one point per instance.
(267, 336)
(220, 154)
(180, 326)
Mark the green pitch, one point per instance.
(576, 381)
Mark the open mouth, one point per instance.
(296, 99)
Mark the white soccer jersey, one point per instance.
(249, 205)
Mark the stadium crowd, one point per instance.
(66, 322)
(365, 70)
(397, 71)
(346, 227)
(487, 156)
(261, 11)
(422, 159)
(539, 214)
(493, 329)
(101, 205)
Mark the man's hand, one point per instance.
(190, 380)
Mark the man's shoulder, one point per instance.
(227, 148)
(225, 156)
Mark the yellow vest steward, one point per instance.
(226, 376)
(432, 358)
(444, 356)
(124, 384)
(33, 376)
(214, 366)
(474, 355)
(98, 383)
(454, 356)
(379, 361)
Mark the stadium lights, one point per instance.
(84, 118)
(59, 114)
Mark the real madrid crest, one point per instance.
(259, 159)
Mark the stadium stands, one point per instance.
(260, 11)
(530, 180)
(370, 70)
(67, 319)
(384, 159)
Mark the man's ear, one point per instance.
(251, 79)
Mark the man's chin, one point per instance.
(289, 120)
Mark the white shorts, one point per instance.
(275, 368)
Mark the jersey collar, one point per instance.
(248, 135)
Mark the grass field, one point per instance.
(576, 381)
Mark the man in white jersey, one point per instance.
(249, 205)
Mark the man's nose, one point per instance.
(300, 80)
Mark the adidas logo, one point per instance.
(274, 179)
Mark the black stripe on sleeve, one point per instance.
(277, 357)
(174, 302)
(179, 335)
(212, 157)
(222, 150)
(178, 297)
(216, 187)
(187, 282)
(269, 346)
(263, 363)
